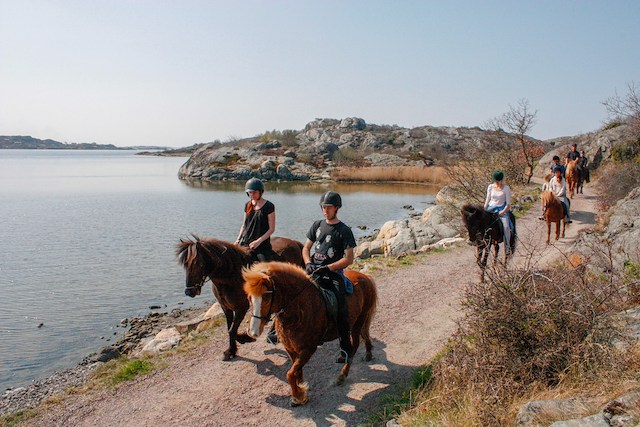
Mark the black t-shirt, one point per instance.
(256, 223)
(573, 155)
(330, 241)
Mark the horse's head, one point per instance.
(547, 197)
(199, 258)
(260, 290)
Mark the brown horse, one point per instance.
(285, 290)
(572, 175)
(485, 230)
(222, 262)
(553, 212)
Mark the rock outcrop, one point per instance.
(439, 226)
(596, 145)
(314, 151)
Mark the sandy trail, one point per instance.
(418, 309)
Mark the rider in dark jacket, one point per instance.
(332, 242)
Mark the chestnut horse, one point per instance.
(285, 290)
(572, 175)
(222, 262)
(553, 212)
(485, 230)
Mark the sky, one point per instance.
(176, 73)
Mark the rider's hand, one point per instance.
(253, 245)
(321, 271)
(309, 268)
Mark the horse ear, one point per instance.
(255, 281)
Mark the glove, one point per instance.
(309, 268)
(321, 271)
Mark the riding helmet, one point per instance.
(254, 184)
(498, 176)
(331, 198)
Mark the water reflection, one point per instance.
(318, 187)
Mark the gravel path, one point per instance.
(418, 309)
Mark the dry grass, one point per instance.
(424, 174)
(527, 335)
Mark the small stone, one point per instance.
(154, 307)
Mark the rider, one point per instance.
(558, 185)
(573, 154)
(332, 242)
(256, 230)
(498, 200)
(556, 163)
(583, 165)
(259, 222)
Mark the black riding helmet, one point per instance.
(331, 198)
(254, 184)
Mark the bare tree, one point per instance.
(626, 107)
(519, 121)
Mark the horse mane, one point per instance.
(190, 250)
(257, 276)
(547, 197)
(572, 165)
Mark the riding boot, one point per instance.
(344, 332)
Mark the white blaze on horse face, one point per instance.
(254, 325)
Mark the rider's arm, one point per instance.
(486, 200)
(306, 251)
(344, 262)
(507, 195)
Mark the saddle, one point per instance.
(329, 297)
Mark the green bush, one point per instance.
(612, 124)
(132, 369)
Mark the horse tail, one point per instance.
(373, 306)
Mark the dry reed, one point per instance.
(422, 174)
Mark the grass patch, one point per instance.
(422, 174)
(120, 370)
(17, 418)
(132, 369)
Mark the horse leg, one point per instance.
(558, 229)
(299, 389)
(548, 231)
(231, 352)
(228, 314)
(564, 224)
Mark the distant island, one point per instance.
(30, 143)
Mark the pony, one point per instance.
(485, 230)
(286, 291)
(572, 175)
(553, 212)
(222, 262)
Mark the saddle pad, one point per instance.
(331, 302)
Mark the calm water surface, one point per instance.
(88, 238)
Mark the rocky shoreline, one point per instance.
(140, 331)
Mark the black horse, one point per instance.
(222, 262)
(485, 230)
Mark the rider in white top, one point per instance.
(499, 200)
(558, 185)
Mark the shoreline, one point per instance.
(15, 399)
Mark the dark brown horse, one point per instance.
(286, 291)
(485, 230)
(222, 262)
(553, 212)
(572, 175)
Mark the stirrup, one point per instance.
(343, 357)
(272, 338)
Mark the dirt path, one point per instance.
(418, 309)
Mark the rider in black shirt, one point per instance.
(259, 223)
(573, 154)
(332, 242)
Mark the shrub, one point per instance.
(612, 124)
(521, 329)
(615, 181)
(132, 369)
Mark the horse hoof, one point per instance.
(244, 338)
(228, 356)
(340, 379)
(295, 402)
(368, 357)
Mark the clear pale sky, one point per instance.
(175, 73)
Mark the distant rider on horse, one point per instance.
(573, 154)
(558, 185)
(555, 163)
(333, 243)
(498, 200)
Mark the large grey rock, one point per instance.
(283, 172)
(597, 420)
(164, 340)
(352, 123)
(530, 412)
